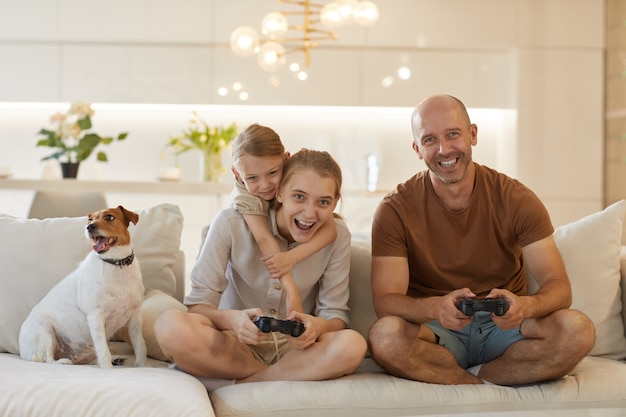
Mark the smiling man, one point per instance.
(456, 234)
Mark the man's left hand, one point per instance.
(514, 316)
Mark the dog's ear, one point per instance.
(131, 216)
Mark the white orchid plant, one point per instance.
(71, 136)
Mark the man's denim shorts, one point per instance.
(479, 342)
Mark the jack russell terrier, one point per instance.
(74, 321)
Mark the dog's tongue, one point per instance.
(101, 245)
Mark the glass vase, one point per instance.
(212, 168)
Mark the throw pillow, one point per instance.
(590, 248)
(36, 254)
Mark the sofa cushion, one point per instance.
(362, 314)
(36, 254)
(31, 389)
(590, 248)
(594, 383)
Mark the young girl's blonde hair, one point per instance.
(256, 140)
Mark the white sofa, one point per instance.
(34, 254)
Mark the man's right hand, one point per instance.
(448, 314)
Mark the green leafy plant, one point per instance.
(71, 136)
(203, 137)
(210, 140)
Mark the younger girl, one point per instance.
(258, 156)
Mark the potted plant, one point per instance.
(72, 139)
(211, 141)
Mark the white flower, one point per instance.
(81, 109)
(70, 130)
(57, 118)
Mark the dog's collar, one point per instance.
(121, 262)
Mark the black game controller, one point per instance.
(497, 306)
(270, 324)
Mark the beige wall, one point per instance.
(542, 59)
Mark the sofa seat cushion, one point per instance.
(596, 382)
(40, 253)
(31, 389)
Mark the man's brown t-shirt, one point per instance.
(479, 248)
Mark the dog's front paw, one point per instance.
(105, 362)
(141, 362)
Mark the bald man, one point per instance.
(462, 231)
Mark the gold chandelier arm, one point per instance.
(329, 33)
(287, 41)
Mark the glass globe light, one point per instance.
(404, 72)
(345, 8)
(330, 15)
(271, 56)
(387, 81)
(244, 41)
(274, 25)
(365, 13)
